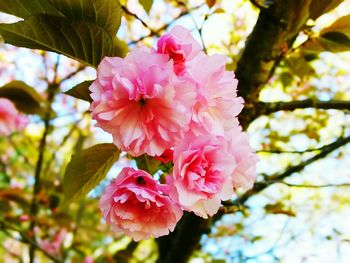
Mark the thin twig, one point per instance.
(312, 186)
(55, 69)
(80, 68)
(296, 152)
(278, 178)
(268, 108)
(259, 186)
(52, 90)
(157, 32)
(127, 11)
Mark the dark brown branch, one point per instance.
(125, 255)
(268, 108)
(179, 245)
(127, 11)
(272, 37)
(36, 189)
(296, 152)
(259, 186)
(34, 208)
(72, 74)
(314, 186)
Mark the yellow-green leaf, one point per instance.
(298, 65)
(27, 8)
(146, 4)
(82, 41)
(320, 7)
(104, 13)
(81, 91)
(335, 38)
(86, 169)
(25, 97)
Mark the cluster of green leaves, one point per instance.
(84, 30)
(334, 38)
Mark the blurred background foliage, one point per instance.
(297, 212)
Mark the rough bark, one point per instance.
(272, 37)
(179, 245)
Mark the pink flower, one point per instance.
(208, 168)
(54, 246)
(217, 104)
(135, 204)
(246, 159)
(141, 102)
(10, 119)
(88, 259)
(166, 157)
(202, 174)
(180, 46)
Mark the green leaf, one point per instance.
(27, 8)
(335, 38)
(81, 91)
(26, 98)
(104, 13)
(333, 43)
(147, 163)
(82, 41)
(286, 78)
(298, 65)
(341, 25)
(320, 7)
(146, 4)
(279, 208)
(86, 169)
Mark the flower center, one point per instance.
(140, 180)
(142, 102)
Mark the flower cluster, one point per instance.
(10, 119)
(179, 105)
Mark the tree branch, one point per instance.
(314, 186)
(127, 11)
(156, 32)
(259, 186)
(268, 108)
(179, 245)
(51, 90)
(296, 152)
(273, 35)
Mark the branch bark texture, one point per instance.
(273, 35)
